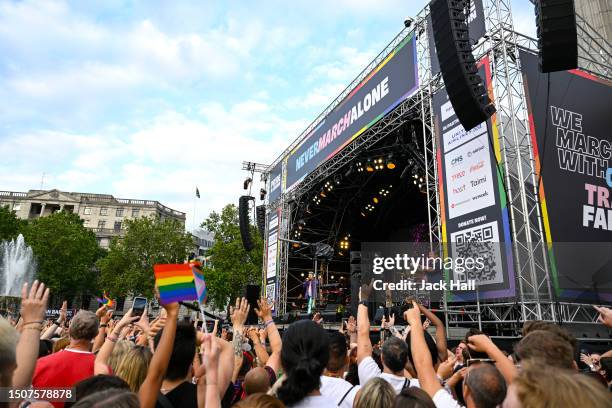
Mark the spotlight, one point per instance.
(408, 22)
(301, 223)
(322, 194)
(369, 166)
(302, 274)
(390, 163)
(378, 164)
(337, 179)
(359, 166)
(295, 245)
(262, 194)
(362, 214)
(375, 199)
(246, 183)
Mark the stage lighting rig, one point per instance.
(359, 166)
(247, 182)
(301, 224)
(328, 186)
(337, 179)
(262, 194)
(408, 22)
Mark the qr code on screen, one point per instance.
(478, 242)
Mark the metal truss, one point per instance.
(594, 52)
(530, 258)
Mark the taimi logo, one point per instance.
(457, 160)
(275, 183)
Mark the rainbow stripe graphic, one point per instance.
(106, 301)
(174, 282)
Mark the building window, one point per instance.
(135, 212)
(103, 211)
(101, 224)
(119, 212)
(16, 207)
(117, 226)
(87, 211)
(86, 222)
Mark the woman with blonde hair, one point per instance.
(133, 366)
(544, 386)
(376, 393)
(121, 348)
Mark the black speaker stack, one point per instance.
(464, 86)
(260, 212)
(245, 223)
(557, 35)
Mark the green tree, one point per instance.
(65, 253)
(10, 225)
(128, 267)
(233, 267)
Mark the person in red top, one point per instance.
(67, 367)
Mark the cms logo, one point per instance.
(456, 160)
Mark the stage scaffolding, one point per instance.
(534, 300)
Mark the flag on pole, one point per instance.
(175, 282)
(200, 285)
(106, 301)
(197, 192)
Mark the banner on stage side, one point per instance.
(474, 215)
(390, 83)
(570, 122)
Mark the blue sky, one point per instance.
(147, 99)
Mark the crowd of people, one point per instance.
(163, 361)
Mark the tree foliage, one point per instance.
(233, 267)
(128, 267)
(10, 225)
(65, 253)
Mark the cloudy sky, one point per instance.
(147, 99)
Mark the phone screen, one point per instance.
(138, 307)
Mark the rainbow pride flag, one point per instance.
(106, 301)
(175, 282)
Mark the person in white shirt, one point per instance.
(333, 384)
(394, 351)
(304, 356)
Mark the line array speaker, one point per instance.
(463, 84)
(557, 35)
(245, 223)
(261, 219)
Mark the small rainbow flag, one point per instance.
(200, 285)
(175, 282)
(106, 301)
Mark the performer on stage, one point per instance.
(311, 288)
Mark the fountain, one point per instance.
(17, 265)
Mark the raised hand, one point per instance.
(480, 343)
(143, 322)
(365, 291)
(391, 321)
(605, 315)
(34, 303)
(253, 334)
(106, 317)
(101, 311)
(63, 312)
(264, 309)
(317, 318)
(238, 314)
(413, 315)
